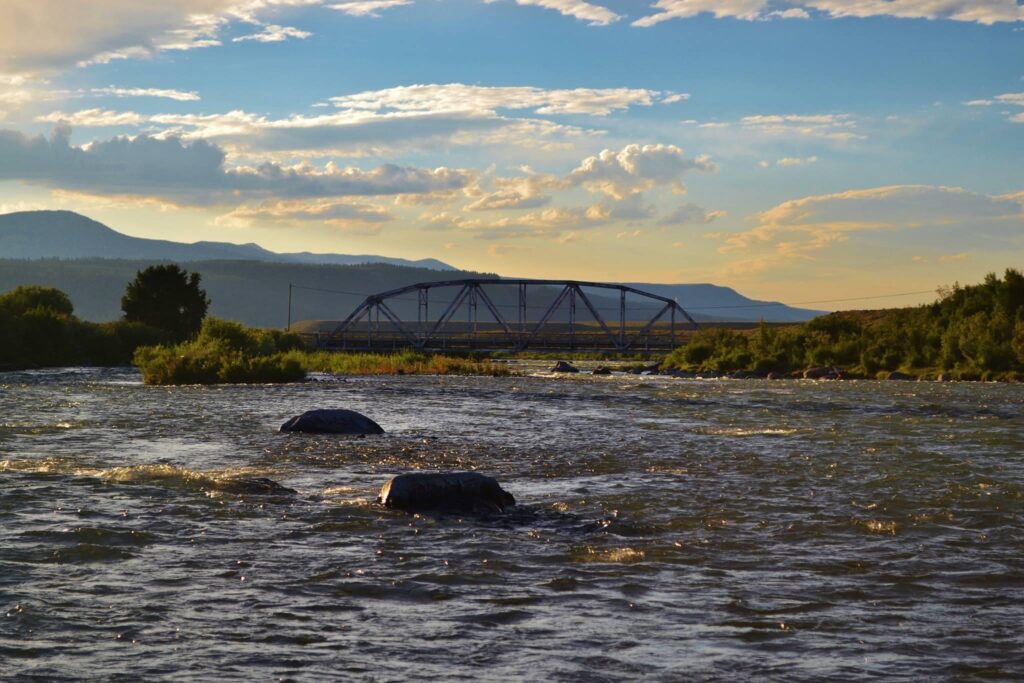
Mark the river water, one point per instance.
(666, 530)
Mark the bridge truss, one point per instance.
(374, 324)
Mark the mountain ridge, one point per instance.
(66, 234)
(67, 250)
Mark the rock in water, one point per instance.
(562, 366)
(332, 422)
(259, 486)
(445, 492)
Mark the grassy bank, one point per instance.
(226, 352)
(972, 333)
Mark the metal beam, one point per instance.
(544, 319)
(647, 328)
(599, 319)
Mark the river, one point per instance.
(666, 530)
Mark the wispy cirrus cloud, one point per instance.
(986, 12)
(461, 97)
(353, 216)
(801, 227)
(165, 93)
(272, 33)
(368, 8)
(1010, 98)
(404, 118)
(593, 14)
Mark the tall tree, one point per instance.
(167, 298)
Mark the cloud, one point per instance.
(51, 35)
(487, 100)
(986, 12)
(547, 223)
(272, 33)
(176, 95)
(409, 117)
(595, 15)
(196, 174)
(1009, 98)
(368, 8)
(801, 227)
(797, 161)
(839, 127)
(292, 212)
(516, 193)
(721, 9)
(636, 168)
(690, 214)
(94, 118)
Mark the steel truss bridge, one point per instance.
(374, 324)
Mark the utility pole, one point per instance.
(289, 327)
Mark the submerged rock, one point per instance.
(470, 492)
(562, 366)
(260, 486)
(337, 421)
(602, 371)
(748, 374)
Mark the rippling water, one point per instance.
(667, 529)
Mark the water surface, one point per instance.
(667, 529)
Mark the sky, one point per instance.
(797, 150)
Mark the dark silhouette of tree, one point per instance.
(25, 298)
(167, 298)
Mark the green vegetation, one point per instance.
(401, 363)
(973, 332)
(167, 298)
(223, 352)
(227, 352)
(38, 329)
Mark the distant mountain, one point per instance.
(246, 282)
(712, 302)
(68, 235)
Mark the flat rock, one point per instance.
(337, 421)
(460, 492)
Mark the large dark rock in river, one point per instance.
(470, 492)
(332, 422)
(562, 366)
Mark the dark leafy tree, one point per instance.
(25, 298)
(167, 298)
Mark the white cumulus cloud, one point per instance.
(636, 168)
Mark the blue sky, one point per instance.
(799, 150)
